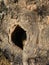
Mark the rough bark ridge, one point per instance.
(24, 32)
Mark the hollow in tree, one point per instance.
(18, 36)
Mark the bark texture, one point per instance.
(24, 32)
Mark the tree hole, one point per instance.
(47, 64)
(18, 36)
(15, 1)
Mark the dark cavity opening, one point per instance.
(15, 1)
(18, 36)
(47, 64)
